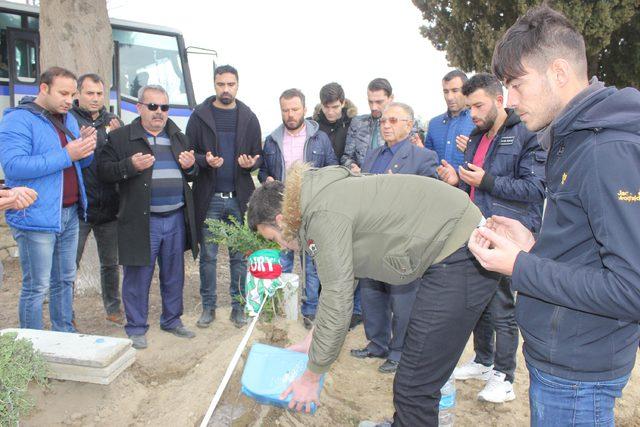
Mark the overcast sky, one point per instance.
(280, 44)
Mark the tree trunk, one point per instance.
(76, 34)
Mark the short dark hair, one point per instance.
(91, 76)
(380, 84)
(488, 82)
(52, 72)
(541, 35)
(265, 204)
(222, 69)
(292, 93)
(331, 92)
(453, 74)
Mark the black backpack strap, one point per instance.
(59, 125)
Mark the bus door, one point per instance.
(23, 53)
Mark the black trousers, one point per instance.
(499, 316)
(451, 297)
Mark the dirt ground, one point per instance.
(173, 381)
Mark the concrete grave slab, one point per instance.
(74, 349)
(79, 357)
(86, 374)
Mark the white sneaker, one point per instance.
(498, 389)
(473, 370)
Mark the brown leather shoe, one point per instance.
(116, 318)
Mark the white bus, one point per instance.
(143, 54)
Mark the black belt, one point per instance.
(229, 195)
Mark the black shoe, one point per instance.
(237, 317)
(138, 342)
(180, 331)
(356, 319)
(389, 367)
(206, 318)
(308, 321)
(363, 353)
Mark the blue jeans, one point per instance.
(220, 208)
(48, 262)
(559, 402)
(312, 282)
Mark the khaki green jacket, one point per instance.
(389, 228)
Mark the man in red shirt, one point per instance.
(504, 175)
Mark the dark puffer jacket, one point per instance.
(102, 197)
(337, 131)
(513, 183)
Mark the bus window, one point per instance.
(26, 61)
(150, 59)
(12, 21)
(32, 23)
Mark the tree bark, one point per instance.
(76, 34)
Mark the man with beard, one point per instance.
(226, 137)
(504, 175)
(297, 140)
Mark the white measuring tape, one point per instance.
(231, 368)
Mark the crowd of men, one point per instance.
(424, 240)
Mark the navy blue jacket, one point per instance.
(102, 198)
(409, 159)
(513, 183)
(578, 302)
(317, 150)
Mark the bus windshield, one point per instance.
(150, 59)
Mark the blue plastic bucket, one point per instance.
(269, 371)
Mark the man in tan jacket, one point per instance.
(395, 229)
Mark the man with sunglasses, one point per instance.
(386, 307)
(152, 162)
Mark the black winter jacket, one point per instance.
(134, 246)
(513, 183)
(102, 197)
(201, 131)
(336, 131)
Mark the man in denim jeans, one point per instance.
(226, 138)
(41, 146)
(578, 281)
(297, 140)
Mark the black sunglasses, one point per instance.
(153, 107)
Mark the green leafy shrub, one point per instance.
(237, 236)
(19, 365)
